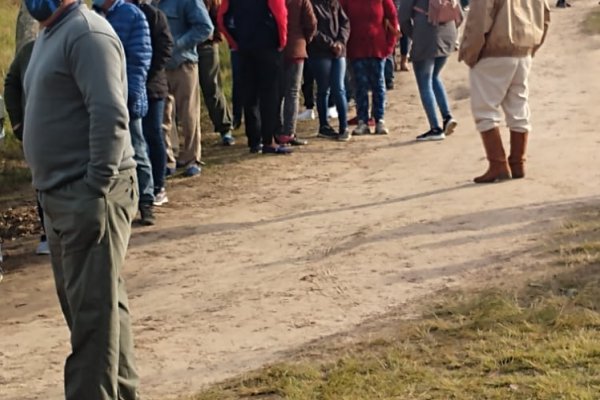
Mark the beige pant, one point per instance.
(182, 108)
(501, 82)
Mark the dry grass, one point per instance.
(13, 171)
(541, 342)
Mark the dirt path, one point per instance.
(262, 256)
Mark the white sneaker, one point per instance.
(332, 113)
(43, 249)
(361, 129)
(380, 128)
(306, 115)
(161, 198)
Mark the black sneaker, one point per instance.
(432, 135)
(147, 216)
(327, 132)
(256, 149)
(450, 125)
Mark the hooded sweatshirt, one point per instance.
(333, 27)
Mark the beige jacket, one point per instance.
(504, 28)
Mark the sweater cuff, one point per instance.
(97, 184)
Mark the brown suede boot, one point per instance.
(518, 149)
(498, 169)
(404, 63)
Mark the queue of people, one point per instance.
(103, 97)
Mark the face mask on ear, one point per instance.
(41, 10)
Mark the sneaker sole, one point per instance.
(191, 174)
(451, 128)
(431, 139)
(320, 135)
(160, 203)
(305, 118)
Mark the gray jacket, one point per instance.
(429, 41)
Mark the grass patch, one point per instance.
(592, 23)
(13, 171)
(540, 342)
(8, 17)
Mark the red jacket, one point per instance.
(277, 8)
(374, 27)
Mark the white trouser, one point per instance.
(501, 82)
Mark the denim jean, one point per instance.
(369, 75)
(404, 45)
(292, 76)
(389, 70)
(330, 74)
(143, 169)
(308, 86)
(236, 87)
(431, 89)
(349, 82)
(152, 127)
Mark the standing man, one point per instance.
(209, 67)
(500, 39)
(79, 149)
(190, 25)
(132, 28)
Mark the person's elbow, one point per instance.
(208, 31)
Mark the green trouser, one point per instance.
(209, 71)
(88, 235)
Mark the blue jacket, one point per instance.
(190, 25)
(132, 28)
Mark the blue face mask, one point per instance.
(41, 10)
(98, 3)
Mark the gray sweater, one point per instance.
(429, 41)
(76, 119)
